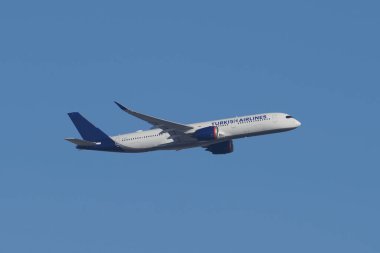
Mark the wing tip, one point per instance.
(122, 107)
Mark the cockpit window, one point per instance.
(289, 117)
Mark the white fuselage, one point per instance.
(231, 128)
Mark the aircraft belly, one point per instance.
(143, 146)
(249, 129)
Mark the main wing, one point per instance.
(176, 130)
(159, 123)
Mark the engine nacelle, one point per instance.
(207, 134)
(221, 148)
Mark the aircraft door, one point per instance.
(274, 118)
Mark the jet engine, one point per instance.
(207, 133)
(221, 148)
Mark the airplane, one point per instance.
(215, 136)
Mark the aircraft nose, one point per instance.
(297, 123)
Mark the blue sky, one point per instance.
(314, 189)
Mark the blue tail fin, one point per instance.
(88, 131)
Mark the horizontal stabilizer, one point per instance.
(81, 142)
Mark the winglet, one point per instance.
(121, 106)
